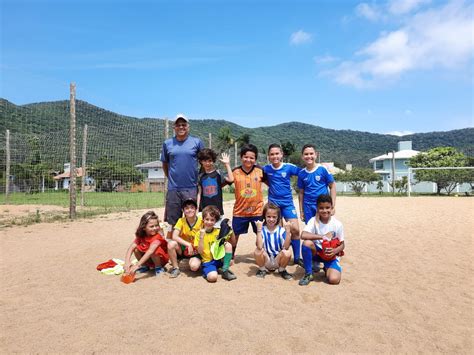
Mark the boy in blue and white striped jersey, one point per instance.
(273, 242)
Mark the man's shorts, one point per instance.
(211, 266)
(174, 200)
(240, 225)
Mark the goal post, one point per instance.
(410, 170)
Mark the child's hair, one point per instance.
(324, 198)
(147, 217)
(309, 145)
(275, 145)
(249, 147)
(207, 154)
(212, 211)
(189, 201)
(271, 206)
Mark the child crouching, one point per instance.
(209, 244)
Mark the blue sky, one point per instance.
(376, 66)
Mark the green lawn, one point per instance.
(128, 200)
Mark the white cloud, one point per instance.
(324, 59)
(398, 7)
(370, 12)
(400, 133)
(436, 38)
(300, 37)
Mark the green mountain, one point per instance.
(138, 140)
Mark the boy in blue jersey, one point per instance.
(314, 180)
(279, 193)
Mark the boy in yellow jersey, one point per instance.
(209, 235)
(248, 207)
(185, 231)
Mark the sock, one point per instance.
(307, 259)
(296, 244)
(227, 259)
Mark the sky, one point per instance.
(390, 66)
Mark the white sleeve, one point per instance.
(310, 226)
(340, 232)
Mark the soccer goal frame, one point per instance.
(410, 170)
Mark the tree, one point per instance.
(357, 178)
(288, 149)
(108, 174)
(440, 157)
(224, 139)
(380, 186)
(243, 139)
(402, 185)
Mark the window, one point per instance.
(379, 165)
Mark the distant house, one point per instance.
(383, 163)
(155, 180)
(65, 177)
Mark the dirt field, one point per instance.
(407, 286)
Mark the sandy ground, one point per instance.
(407, 286)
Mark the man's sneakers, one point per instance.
(307, 278)
(174, 273)
(261, 273)
(228, 275)
(285, 274)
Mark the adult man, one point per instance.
(179, 157)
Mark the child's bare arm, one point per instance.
(198, 196)
(259, 242)
(128, 256)
(300, 202)
(332, 192)
(310, 236)
(145, 256)
(330, 252)
(287, 226)
(201, 241)
(229, 179)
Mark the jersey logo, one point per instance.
(248, 193)
(318, 177)
(283, 174)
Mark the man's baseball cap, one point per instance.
(182, 117)
(189, 201)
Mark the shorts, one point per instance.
(331, 264)
(309, 210)
(271, 263)
(240, 225)
(288, 210)
(174, 199)
(211, 266)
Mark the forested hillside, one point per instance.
(122, 133)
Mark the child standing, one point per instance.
(208, 235)
(323, 227)
(313, 180)
(278, 176)
(210, 181)
(248, 178)
(149, 247)
(273, 242)
(185, 231)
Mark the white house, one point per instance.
(155, 180)
(383, 163)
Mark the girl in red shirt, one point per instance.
(149, 246)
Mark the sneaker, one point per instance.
(143, 269)
(285, 274)
(174, 273)
(159, 270)
(228, 275)
(261, 273)
(299, 262)
(307, 278)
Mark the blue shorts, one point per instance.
(309, 210)
(288, 210)
(240, 225)
(332, 264)
(211, 266)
